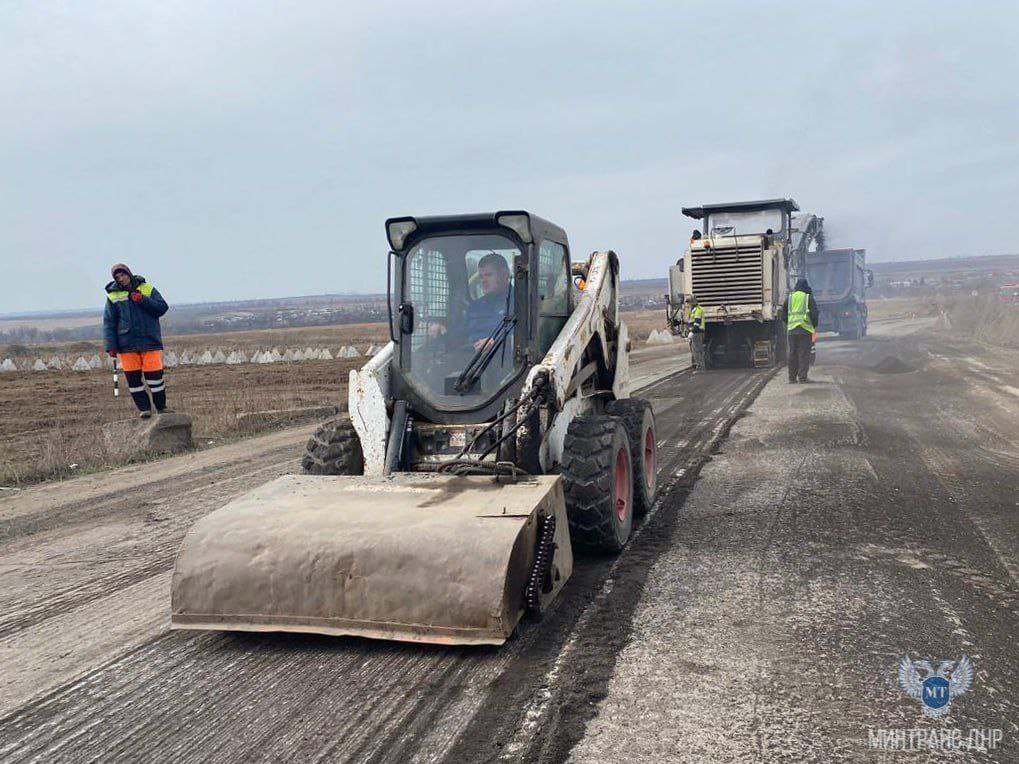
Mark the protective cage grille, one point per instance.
(428, 291)
(728, 275)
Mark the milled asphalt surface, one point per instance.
(841, 526)
(759, 614)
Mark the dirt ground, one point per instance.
(50, 422)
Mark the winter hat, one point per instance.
(120, 267)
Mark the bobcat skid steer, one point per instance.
(490, 438)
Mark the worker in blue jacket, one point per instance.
(131, 331)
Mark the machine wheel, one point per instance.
(639, 421)
(854, 334)
(334, 449)
(599, 483)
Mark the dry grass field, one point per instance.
(987, 320)
(50, 422)
(879, 308)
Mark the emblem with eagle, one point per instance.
(937, 687)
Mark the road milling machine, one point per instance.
(490, 438)
(741, 270)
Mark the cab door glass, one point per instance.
(553, 292)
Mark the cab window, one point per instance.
(553, 292)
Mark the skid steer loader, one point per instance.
(493, 435)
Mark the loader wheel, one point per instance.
(639, 421)
(599, 483)
(334, 449)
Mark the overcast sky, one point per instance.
(253, 149)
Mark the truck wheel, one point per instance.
(599, 483)
(639, 421)
(334, 449)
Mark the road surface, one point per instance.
(759, 612)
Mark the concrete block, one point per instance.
(162, 434)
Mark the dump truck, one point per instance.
(492, 436)
(839, 279)
(740, 266)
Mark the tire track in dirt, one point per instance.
(133, 498)
(110, 563)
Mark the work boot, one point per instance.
(146, 414)
(806, 381)
(792, 381)
(166, 410)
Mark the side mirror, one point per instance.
(869, 278)
(406, 311)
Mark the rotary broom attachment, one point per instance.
(413, 557)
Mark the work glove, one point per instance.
(136, 296)
(112, 353)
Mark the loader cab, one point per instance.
(475, 301)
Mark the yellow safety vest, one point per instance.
(799, 312)
(697, 316)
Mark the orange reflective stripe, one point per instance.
(152, 360)
(147, 360)
(131, 361)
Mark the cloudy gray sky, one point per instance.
(253, 149)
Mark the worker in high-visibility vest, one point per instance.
(696, 322)
(131, 330)
(801, 316)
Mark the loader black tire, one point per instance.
(334, 449)
(599, 483)
(639, 420)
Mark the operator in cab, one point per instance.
(484, 314)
